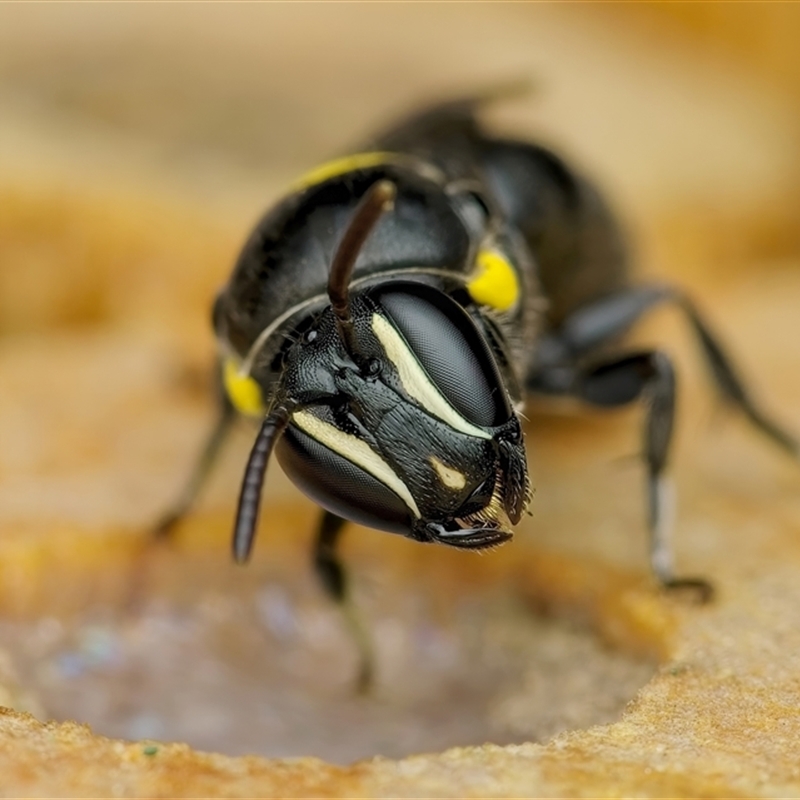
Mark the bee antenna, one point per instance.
(378, 199)
(244, 531)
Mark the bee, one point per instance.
(386, 320)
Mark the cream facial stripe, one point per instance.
(353, 449)
(451, 478)
(417, 383)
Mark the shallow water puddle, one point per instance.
(267, 668)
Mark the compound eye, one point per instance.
(450, 348)
(339, 485)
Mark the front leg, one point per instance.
(201, 471)
(203, 466)
(334, 579)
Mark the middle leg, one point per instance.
(647, 377)
(650, 378)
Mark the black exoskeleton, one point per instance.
(387, 318)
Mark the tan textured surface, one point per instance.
(129, 182)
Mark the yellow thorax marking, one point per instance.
(339, 166)
(243, 390)
(496, 283)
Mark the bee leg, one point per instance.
(600, 323)
(163, 530)
(647, 377)
(200, 473)
(731, 386)
(334, 579)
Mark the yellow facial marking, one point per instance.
(496, 283)
(451, 478)
(243, 391)
(339, 166)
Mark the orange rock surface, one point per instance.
(138, 146)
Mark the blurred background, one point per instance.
(138, 146)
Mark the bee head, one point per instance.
(392, 413)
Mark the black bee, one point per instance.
(387, 318)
